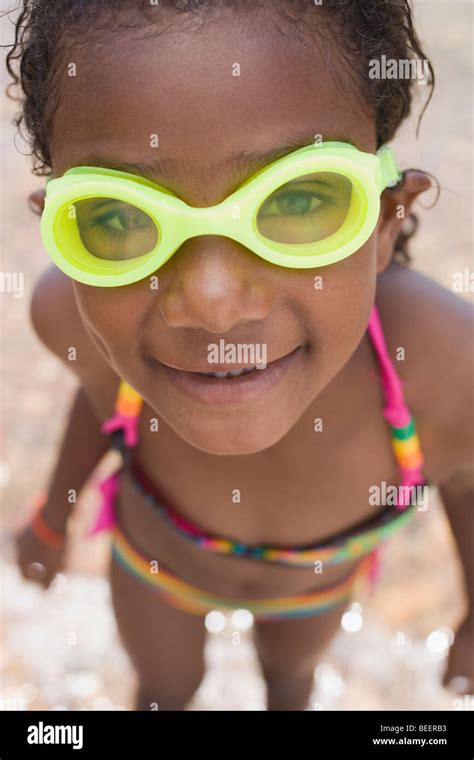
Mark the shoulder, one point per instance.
(57, 322)
(435, 329)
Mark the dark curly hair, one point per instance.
(362, 30)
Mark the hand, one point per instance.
(459, 675)
(38, 561)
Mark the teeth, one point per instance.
(231, 373)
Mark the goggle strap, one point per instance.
(390, 173)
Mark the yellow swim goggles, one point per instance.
(313, 207)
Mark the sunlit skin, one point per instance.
(297, 486)
(213, 288)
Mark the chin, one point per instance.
(226, 439)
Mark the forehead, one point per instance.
(192, 97)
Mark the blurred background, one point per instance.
(60, 648)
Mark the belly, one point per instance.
(228, 575)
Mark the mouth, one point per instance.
(230, 386)
(230, 373)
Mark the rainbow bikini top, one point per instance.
(357, 541)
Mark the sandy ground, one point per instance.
(392, 646)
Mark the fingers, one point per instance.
(33, 563)
(38, 573)
(34, 571)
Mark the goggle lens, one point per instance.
(114, 230)
(306, 209)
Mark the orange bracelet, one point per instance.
(42, 531)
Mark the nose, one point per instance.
(214, 284)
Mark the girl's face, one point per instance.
(214, 129)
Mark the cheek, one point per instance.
(353, 282)
(108, 317)
(338, 301)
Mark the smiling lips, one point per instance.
(230, 373)
(230, 386)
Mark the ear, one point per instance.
(36, 201)
(395, 206)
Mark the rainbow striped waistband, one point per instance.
(194, 600)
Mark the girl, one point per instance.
(224, 217)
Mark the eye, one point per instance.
(124, 218)
(292, 202)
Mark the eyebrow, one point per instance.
(243, 163)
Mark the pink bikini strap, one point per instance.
(126, 417)
(395, 410)
(105, 518)
(405, 442)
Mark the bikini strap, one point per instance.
(405, 442)
(128, 405)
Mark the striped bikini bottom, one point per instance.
(194, 600)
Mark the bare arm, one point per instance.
(437, 329)
(82, 447)
(57, 323)
(457, 488)
(458, 499)
(457, 491)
